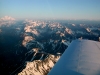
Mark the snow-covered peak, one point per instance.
(31, 23)
(65, 42)
(26, 40)
(40, 67)
(7, 21)
(73, 25)
(88, 30)
(69, 31)
(6, 18)
(62, 34)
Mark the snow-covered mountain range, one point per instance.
(34, 46)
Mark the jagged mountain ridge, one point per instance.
(40, 67)
(36, 40)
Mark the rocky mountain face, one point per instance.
(40, 67)
(33, 47)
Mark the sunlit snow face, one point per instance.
(7, 21)
(26, 40)
(40, 67)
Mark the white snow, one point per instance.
(69, 31)
(7, 21)
(26, 40)
(40, 67)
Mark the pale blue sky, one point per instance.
(57, 9)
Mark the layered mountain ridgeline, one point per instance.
(38, 42)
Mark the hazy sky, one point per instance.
(56, 9)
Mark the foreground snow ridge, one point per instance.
(40, 67)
